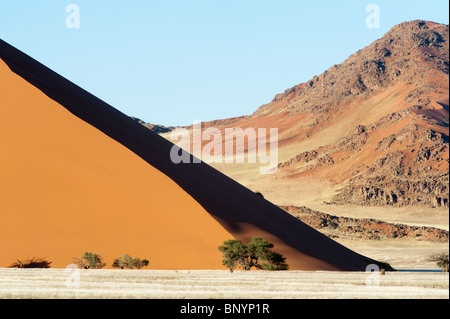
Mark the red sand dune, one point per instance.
(77, 175)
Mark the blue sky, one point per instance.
(174, 61)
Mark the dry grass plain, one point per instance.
(218, 284)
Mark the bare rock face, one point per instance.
(154, 127)
(364, 229)
(416, 175)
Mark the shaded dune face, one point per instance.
(77, 175)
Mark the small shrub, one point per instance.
(125, 261)
(260, 194)
(384, 266)
(31, 263)
(139, 264)
(89, 261)
(441, 261)
(122, 262)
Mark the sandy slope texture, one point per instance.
(80, 175)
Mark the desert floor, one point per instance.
(400, 254)
(218, 284)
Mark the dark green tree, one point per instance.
(257, 254)
(262, 257)
(274, 261)
(234, 254)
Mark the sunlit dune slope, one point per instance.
(67, 188)
(77, 175)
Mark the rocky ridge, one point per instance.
(364, 229)
(159, 129)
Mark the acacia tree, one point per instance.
(262, 257)
(257, 254)
(234, 254)
(274, 261)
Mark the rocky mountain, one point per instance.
(373, 129)
(408, 147)
(414, 53)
